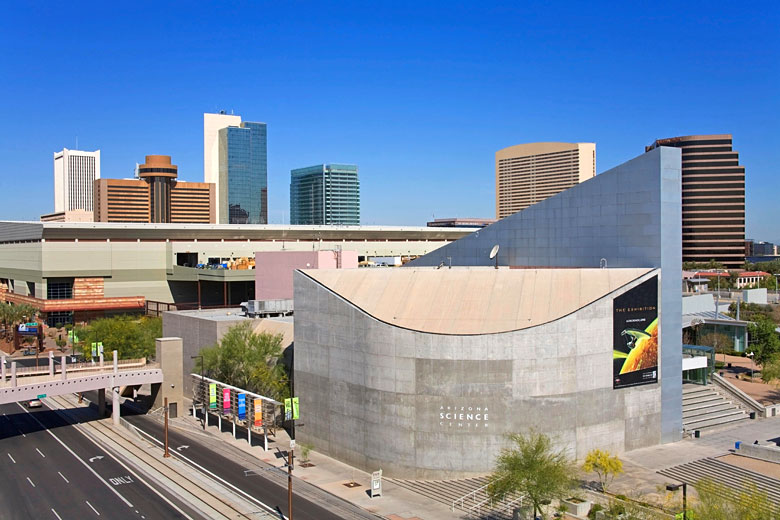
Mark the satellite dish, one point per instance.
(494, 252)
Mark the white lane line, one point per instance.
(40, 453)
(63, 478)
(91, 507)
(109, 486)
(12, 459)
(212, 475)
(30, 481)
(55, 514)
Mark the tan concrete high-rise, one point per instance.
(529, 173)
(713, 199)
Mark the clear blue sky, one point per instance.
(419, 94)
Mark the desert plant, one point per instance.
(605, 465)
(305, 450)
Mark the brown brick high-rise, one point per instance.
(713, 199)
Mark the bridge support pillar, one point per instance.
(3, 368)
(102, 402)
(64, 373)
(115, 405)
(51, 364)
(13, 373)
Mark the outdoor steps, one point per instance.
(704, 408)
(731, 476)
(447, 491)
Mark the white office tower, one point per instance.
(75, 172)
(212, 124)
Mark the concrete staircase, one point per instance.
(465, 497)
(704, 408)
(731, 476)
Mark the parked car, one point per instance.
(33, 403)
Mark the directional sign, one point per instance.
(42, 396)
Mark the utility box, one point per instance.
(376, 484)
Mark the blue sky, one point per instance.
(419, 95)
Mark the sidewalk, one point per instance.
(763, 393)
(327, 474)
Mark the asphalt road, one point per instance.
(50, 470)
(232, 471)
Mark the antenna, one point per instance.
(494, 254)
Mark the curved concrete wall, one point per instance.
(422, 405)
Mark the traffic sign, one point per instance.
(42, 396)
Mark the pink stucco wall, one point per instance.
(274, 269)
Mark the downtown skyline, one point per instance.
(420, 97)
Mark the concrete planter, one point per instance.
(577, 506)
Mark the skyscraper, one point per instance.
(529, 173)
(75, 172)
(713, 199)
(235, 159)
(325, 194)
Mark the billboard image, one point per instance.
(635, 336)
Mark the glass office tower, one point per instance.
(243, 174)
(325, 194)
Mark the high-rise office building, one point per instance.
(325, 194)
(529, 173)
(235, 159)
(74, 173)
(156, 196)
(713, 199)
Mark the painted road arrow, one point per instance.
(97, 457)
(182, 447)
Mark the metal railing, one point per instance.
(478, 503)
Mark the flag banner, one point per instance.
(295, 414)
(212, 396)
(225, 399)
(258, 412)
(242, 406)
(287, 409)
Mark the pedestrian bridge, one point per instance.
(25, 383)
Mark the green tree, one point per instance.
(722, 343)
(764, 341)
(770, 370)
(131, 337)
(605, 465)
(719, 502)
(532, 467)
(248, 360)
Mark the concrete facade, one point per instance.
(274, 269)
(168, 353)
(628, 216)
(431, 405)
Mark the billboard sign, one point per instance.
(635, 336)
(242, 406)
(258, 412)
(212, 396)
(28, 329)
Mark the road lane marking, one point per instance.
(40, 453)
(149, 486)
(63, 478)
(12, 459)
(30, 481)
(55, 514)
(91, 507)
(109, 486)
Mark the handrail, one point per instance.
(739, 395)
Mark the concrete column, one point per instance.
(116, 364)
(115, 404)
(3, 367)
(249, 435)
(63, 374)
(234, 429)
(13, 373)
(219, 421)
(100, 357)
(51, 364)
(102, 402)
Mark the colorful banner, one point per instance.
(242, 406)
(635, 336)
(94, 350)
(295, 414)
(100, 347)
(225, 399)
(258, 412)
(287, 409)
(212, 396)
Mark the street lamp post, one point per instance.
(202, 389)
(675, 487)
(752, 364)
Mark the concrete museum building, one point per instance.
(573, 328)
